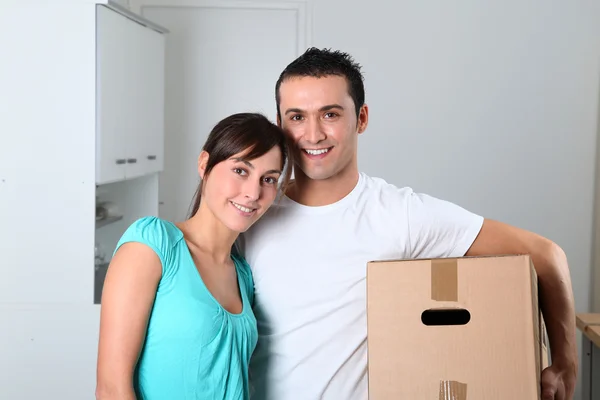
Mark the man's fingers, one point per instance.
(560, 393)
(549, 385)
(548, 394)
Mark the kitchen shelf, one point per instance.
(108, 220)
(99, 276)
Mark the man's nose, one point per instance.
(314, 134)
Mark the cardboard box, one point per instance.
(455, 329)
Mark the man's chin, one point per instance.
(307, 172)
(319, 176)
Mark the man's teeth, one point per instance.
(316, 152)
(242, 208)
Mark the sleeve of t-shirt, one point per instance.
(439, 228)
(152, 232)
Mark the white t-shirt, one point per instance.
(309, 268)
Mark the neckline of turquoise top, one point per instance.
(236, 262)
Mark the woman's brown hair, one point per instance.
(240, 132)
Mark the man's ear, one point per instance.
(363, 119)
(278, 120)
(202, 163)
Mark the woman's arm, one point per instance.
(127, 297)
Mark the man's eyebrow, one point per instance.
(293, 110)
(331, 107)
(322, 109)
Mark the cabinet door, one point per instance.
(131, 60)
(133, 142)
(150, 86)
(113, 74)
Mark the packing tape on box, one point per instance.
(453, 390)
(444, 280)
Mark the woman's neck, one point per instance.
(208, 236)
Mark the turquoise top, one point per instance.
(194, 348)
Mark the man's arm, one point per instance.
(556, 297)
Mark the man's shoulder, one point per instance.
(381, 189)
(271, 229)
(272, 218)
(387, 195)
(277, 209)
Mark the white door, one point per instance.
(221, 59)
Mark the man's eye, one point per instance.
(330, 115)
(296, 117)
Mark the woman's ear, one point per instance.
(202, 162)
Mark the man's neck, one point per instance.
(315, 193)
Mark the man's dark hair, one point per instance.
(319, 63)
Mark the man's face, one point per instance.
(320, 116)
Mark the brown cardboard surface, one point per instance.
(444, 284)
(496, 351)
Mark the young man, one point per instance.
(309, 253)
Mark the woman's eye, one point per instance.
(239, 171)
(270, 180)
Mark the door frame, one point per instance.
(595, 264)
(303, 9)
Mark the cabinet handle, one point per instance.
(131, 160)
(151, 157)
(121, 161)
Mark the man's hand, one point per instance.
(558, 383)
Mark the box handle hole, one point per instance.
(445, 316)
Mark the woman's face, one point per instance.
(239, 192)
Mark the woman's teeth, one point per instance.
(242, 208)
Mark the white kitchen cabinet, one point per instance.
(130, 98)
(80, 97)
(82, 87)
(151, 99)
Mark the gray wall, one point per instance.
(492, 105)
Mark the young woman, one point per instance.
(176, 317)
